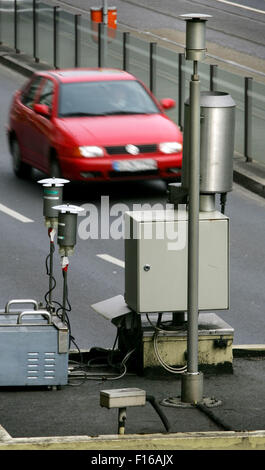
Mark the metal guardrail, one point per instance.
(49, 34)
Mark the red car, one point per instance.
(93, 125)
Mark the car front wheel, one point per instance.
(21, 169)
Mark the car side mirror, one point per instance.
(42, 109)
(168, 103)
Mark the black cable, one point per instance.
(53, 279)
(156, 407)
(78, 349)
(223, 198)
(214, 418)
(60, 307)
(69, 309)
(159, 319)
(111, 353)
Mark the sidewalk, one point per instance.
(72, 418)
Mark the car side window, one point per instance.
(46, 94)
(28, 96)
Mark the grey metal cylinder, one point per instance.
(192, 388)
(52, 196)
(207, 202)
(67, 224)
(195, 40)
(217, 132)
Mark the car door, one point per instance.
(42, 126)
(24, 116)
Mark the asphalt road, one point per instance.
(237, 26)
(25, 245)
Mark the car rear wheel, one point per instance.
(21, 169)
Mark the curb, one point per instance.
(25, 65)
(249, 183)
(249, 350)
(16, 66)
(219, 440)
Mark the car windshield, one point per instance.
(104, 98)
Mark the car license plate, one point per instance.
(134, 165)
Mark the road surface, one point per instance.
(92, 278)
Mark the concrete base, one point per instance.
(215, 337)
(215, 341)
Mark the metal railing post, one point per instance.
(35, 31)
(213, 75)
(126, 56)
(16, 26)
(77, 48)
(153, 67)
(55, 30)
(102, 44)
(181, 91)
(1, 19)
(248, 119)
(99, 44)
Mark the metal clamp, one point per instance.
(44, 313)
(20, 301)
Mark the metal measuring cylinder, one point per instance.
(217, 130)
(67, 227)
(52, 195)
(195, 36)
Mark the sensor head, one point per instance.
(67, 227)
(53, 182)
(195, 35)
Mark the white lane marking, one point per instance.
(113, 260)
(14, 214)
(233, 4)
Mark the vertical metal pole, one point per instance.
(126, 60)
(99, 44)
(105, 12)
(152, 68)
(193, 230)
(248, 119)
(213, 75)
(1, 19)
(35, 31)
(77, 17)
(51, 274)
(16, 26)
(102, 44)
(55, 24)
(181, 91)
(192, 385)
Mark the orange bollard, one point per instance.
(112, 22)
(96, 16)
(112, 17)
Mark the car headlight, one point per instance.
(91, 151)
(170, 147)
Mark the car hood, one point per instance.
(121, 130)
